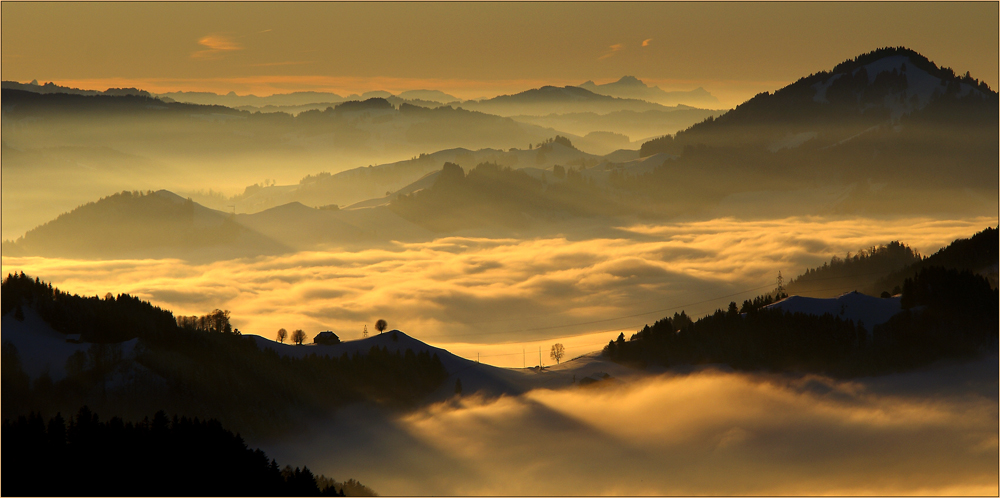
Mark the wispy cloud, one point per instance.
(612, 50)
(216, 45)
(284, 63)
(646, 42)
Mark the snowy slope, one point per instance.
(851, 306)
(476, 377)
(42, 349)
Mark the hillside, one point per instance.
(883, 127)
(940, 313)
(137, 224)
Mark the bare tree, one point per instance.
(282, 335)
(381, 325)
(558, 351)
(298, 336)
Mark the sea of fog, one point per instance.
(710, 432)
(500, 299)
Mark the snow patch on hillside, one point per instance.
(854, 306)
(43, 349)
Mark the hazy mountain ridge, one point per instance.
(633, 88)
(136, 224)
(558, 100)
(867, 128)
(51, 87)
(868, 91)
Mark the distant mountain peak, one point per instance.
(34, 83)
(630, 80)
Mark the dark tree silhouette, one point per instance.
(381, 325)
(298, 336)
(282, 335)
(557, 352)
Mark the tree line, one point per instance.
(188, 370)
(947, 313)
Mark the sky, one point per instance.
(476, 49)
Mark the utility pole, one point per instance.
(781, 281)
(539, 358)
(524, 359)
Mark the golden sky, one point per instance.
(476, 49)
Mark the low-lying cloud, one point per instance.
(706, 433)
(476, 292)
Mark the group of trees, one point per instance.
(299, 335)
(159, 457)
(96, 319)
(854, 271)
(216, 321)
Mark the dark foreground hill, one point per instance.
(158, 457)
(130, 358)
(942, 312)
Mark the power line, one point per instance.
(620, 328)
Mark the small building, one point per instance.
(327, 338)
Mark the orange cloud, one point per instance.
(612, 50)
(645, 43)
(217, 45)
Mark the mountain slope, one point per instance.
(557, 100)
(889, 125)
(136, 224)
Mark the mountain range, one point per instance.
(630, 87)
(886, 133)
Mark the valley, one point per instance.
(360, 249)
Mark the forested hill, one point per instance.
(878, 87)
(86, 456)
(204, 369)
(143, 224)
(891, 123)
(884, 268)
(945, 312)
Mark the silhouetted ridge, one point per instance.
(141, 224)
(160, 457)
(945, 313)
(203, 368)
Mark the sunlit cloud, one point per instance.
(612, 50)
(706, 433)
(217, 45)
(646, 42)
(494, 295)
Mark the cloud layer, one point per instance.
(711, 432)
(493, 296)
